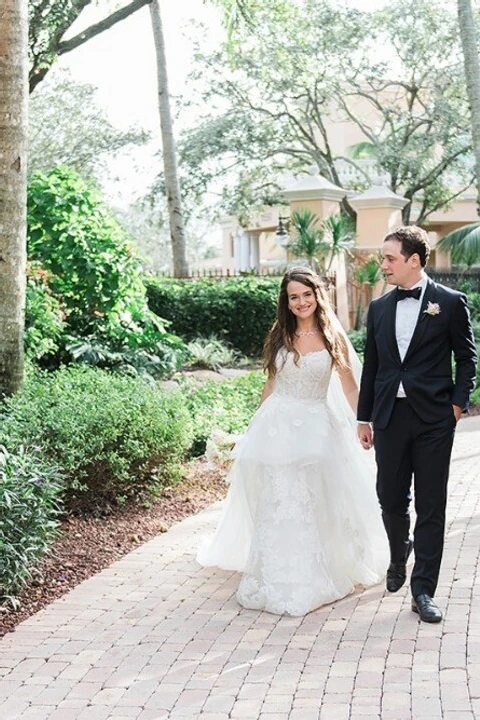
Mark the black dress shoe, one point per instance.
(397, 572)
(429, 612)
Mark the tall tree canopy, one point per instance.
(67, 127)
(469, 40)
(276, 93)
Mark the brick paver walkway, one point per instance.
(155, 637)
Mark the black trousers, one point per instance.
(410, 447)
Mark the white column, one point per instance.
(254, 251)
(237, 238)
(244, 251)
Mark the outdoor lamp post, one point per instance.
(282, 237)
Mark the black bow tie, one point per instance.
(413, 293)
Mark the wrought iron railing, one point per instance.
(468, 280)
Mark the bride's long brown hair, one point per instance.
(282, 332)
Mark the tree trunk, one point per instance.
(177, 233)
(468, 36)
(13, 166)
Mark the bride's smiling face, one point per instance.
(301, 299)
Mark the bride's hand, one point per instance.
(365, 435)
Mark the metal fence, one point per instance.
(466, 281)
(219, 274)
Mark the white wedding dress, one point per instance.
(301, 519)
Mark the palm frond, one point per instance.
(308, 238)
(362, 151)
(463, 245)
(369, 273)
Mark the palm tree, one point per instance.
(468, 37)
(339, 233)
(13, 165)
(308, 239)
(363, 151)
(367, 275)
(463, 245)
(177, 232)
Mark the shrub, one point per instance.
(139, 346)
(476, 394)
(73, 235)
(210, 353)
(474, 306)
(94, 274)
(29, 489)
(228, 406)
(358, 339)
(113, 437)
(238, 310)
(44, 317)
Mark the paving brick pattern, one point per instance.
(155, 637)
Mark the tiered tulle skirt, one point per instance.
(301, 520)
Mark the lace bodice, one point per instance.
(308, 380)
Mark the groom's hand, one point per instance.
(365, 435)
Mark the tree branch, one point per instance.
(423, 215)
(97, 28)
(431, 176)
(40, 66)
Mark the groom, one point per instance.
(409, 396)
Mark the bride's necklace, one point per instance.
(306, 333)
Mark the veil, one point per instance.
(335, 396)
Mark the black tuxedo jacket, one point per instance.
(426, 370)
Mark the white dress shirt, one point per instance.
(405, 322)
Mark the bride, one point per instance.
(301, 519)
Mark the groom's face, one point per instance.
(398, 269)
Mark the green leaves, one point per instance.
(311, 67)
(73, 235)
(44, 316)
(239, 310)
(308, 238)
(321, 242)
(29, 490)
(210, 353)
(369, 272)
(67, 127)
(96, 279)
(463, 245)
(48, 20)
(111, 436)
(228, 406)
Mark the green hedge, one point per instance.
(29, 489)
(474, 306)
(113, 437)
(238, 310)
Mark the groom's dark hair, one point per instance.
(413, 239)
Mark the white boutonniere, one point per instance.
(432, 309)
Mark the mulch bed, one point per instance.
(86, 545)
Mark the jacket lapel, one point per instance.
(390, 316)
(428, 296)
